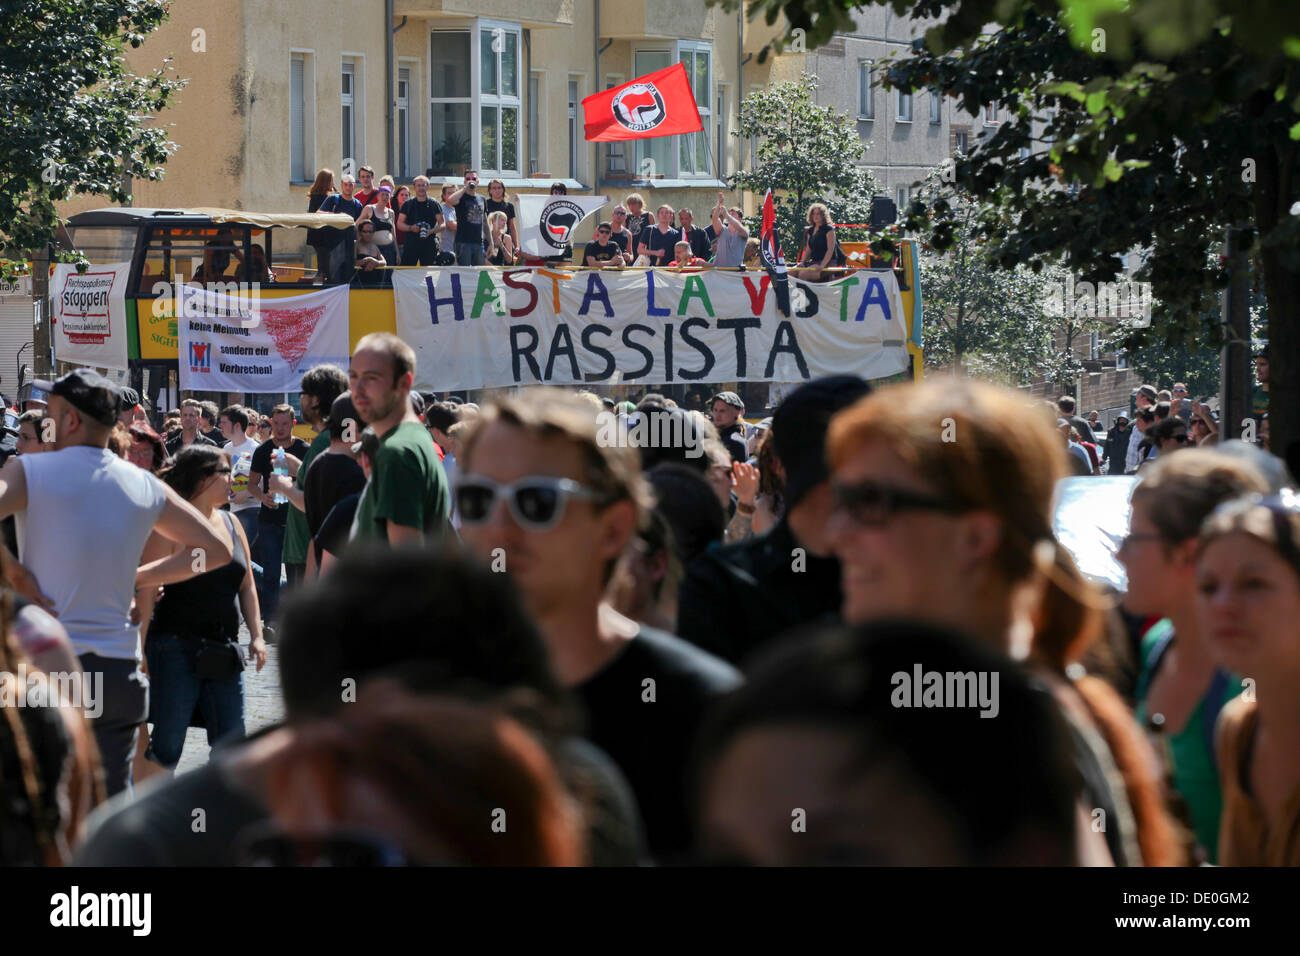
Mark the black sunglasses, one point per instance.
(536, 503)
(872, 503)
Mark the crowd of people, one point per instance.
(523, 633)
(461, 226)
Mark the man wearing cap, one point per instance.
(88, 514)
(735, 598)
(727, 408)
(130, 402)
(1145, 398)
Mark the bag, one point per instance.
(217, 660)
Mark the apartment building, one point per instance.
(281, 88)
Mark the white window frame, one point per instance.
(936, 108)
(705, 108)
(348, 128)
(309, 164)
(990, 114)
(536, 140)
(960, 135)
(904, 107)
(500, 99)
(473, 29)
(867, 92)
(413, 112)
(616, 149)
(902, 197)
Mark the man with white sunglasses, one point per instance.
(542, 499)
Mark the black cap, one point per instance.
(799, 430)
(88, 392)
(417, 403)
(730, 398)
(130, 399)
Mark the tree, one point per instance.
(806, 153)
(76, 120)
(1164, 140)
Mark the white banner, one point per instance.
(88, 314)
(487, 328)
(547, 223)
(232, 344)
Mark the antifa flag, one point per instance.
(657, 104)
(770, 252)
(547, 223)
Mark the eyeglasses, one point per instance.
(1181, 439)
(620, 212)
(872, 504)
(603, 232)
(536, 503)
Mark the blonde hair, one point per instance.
(496, 217)
(1179, 491)
(826, 214)
(634, 198)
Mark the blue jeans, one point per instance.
(269, 552)
(470, 254)
(176, 690)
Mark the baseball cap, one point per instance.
(1149, 392)
(88, 392)
(730, 398)
(130, 399)
(799, 430)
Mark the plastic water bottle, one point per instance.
(279, 469)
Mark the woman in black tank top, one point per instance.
(191, 638)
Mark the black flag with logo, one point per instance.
(773, 261)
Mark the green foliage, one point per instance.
(76, 120)
(806, 153)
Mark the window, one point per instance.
(475, 100)
(961, 142)
(499, 100)
(652, 158)
(1094, 345)
(349, 140)
(1121, 360)
(991, 114)
(298, 171)
(866, 95)
(404, 122)
(902, 197)
(450, 82)
(534, 126)
(1024, 152)
(904, 107)
(575, 140)
(936, 111)
(693, 148)
(615, 153)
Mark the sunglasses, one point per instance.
(536, 503)
(1181, 439)
(872, 504)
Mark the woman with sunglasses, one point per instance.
(1248, 598)
(942, 514)
(191, 636)
(1180, 689)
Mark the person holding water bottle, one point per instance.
(234, 428)
(273, 513)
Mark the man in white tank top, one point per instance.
(88, 514)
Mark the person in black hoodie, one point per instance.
(736, 598)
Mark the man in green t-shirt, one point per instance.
(406, 498)
(320, 386)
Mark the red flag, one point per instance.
(657, 104)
